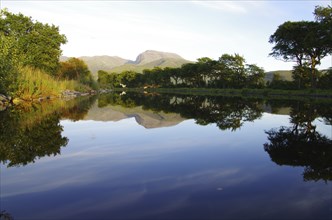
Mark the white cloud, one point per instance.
(228, 6)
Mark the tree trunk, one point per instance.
(313, 73)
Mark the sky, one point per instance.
(192, 29)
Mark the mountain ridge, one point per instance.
(145, 60)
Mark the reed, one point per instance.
(34, 84)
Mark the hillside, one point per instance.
(152, 55)
(146, 60)
(169, 62)
(96, 63)
(284, 75)
(150, 59)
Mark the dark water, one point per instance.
(136, 156)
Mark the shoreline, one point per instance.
(6, 101)
(255, 93)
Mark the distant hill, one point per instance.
(96, 63)
(146, 60)
(284, 75)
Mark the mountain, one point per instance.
(146, 60)
(152, 56)
(150, 59)
(96, 63)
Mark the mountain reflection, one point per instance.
(301, 144)
(32, 132)
(228, 113)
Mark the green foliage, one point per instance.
(103, 79)
(255, 76)
(130, 78)
(38, 44)
(301, 76)
(278, 83)
(325, 81)
(33, 83)
(305, 42)
(8, 64)
(76, 69)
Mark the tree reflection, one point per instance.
(21, 145)
(31, 133)
(5, 215)
(225, 112)
(302, 145)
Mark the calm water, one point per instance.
(137, 156)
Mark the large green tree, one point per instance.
(232, 71)
(305, 42)
(38, 44)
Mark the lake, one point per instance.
(152, 156)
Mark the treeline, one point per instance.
(28, 47)
(229, 71)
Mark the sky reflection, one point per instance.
(121, 170)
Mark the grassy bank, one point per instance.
(33, 84)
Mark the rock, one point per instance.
(101, 91)
(68, 94)
(2, 107)
(4, 98)
(4, 102)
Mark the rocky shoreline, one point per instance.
(6, 101)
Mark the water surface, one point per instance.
(138, 156)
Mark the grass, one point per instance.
(34, 84)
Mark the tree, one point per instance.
(76, 69)
(325, 81)
(305, 42)
(73, 69)
(232, 71)
(255, 76)
(301, 76)
(38, 44)
(206, 67)
(323, 14)
(20, 145)
(103, 79)
(129, 78)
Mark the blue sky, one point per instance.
(192, 29)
